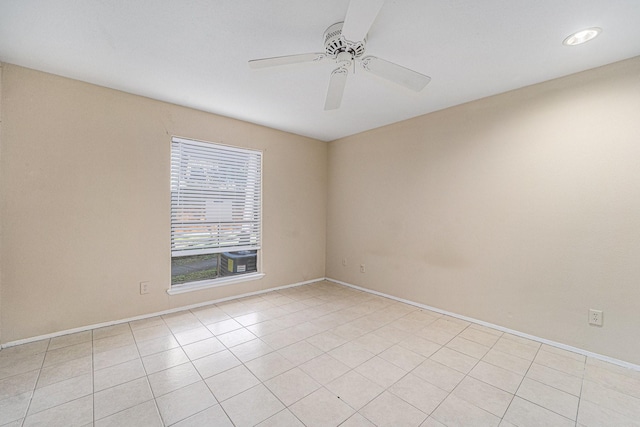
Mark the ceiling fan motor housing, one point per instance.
(335, 44)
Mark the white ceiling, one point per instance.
(195, 52)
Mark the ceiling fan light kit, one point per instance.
(340, 47)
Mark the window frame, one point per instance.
(226, 280)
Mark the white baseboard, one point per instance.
(498, 327)
(146, 316)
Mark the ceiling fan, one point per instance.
(344, 43)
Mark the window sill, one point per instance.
(206, 284)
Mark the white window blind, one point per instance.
(216, 194)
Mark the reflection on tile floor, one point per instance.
(313, 355)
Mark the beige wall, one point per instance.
(522, 209)
(84, 178)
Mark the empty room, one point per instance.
(304, 213)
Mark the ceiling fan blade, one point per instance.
(395, 73)
(360, 17)
(285, 60)
(336, 88)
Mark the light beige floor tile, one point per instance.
(350, 331)
(236, 337)
(624, 404)
(391, 334)
(373, 343)
(17, 363)
(380, 371)
(114, 341)
(71, 339)
(480, 336)
(351, 354)
(455, 412)
(502, 378)
(182, 321)
(357, 420)
(118, 374)
(231, 382)
(110, 331)
(215, 363)
(320, 409)
(326, 341)
(507, 361)
(450, 324)
(78, 412)
(561, 363)
(324, 368)
(224, 326)
(515, 348)
(157, 331)
(281, 339)
(63, 371)
(432, 422)
(171, 379)
(619, 380)
(300, 352)
(565, 353)
(292, 386)
(164, 360)
(420, 345)
(252, 406)
(438, 374)
(470, 348)
(61, 392)
(455, 360)
(13, 354)
(193, 335)
(388, 410)
(18, 384)
(551, 377)
(213, 416)
(209, 315)
(157, 345)
(124, 396)
(268, 366)
(593, 415)
(14, 407)
(419, 393)
(146, 323)
(251, 350)
(264, 328)
(521, 340)
(484, 396)
(354, 389)
(115, 357)
(145, 414)
(203, 348)
(526, 414)
(66, 354)
(252, 318)
(550, 398)
(185, 402)
(402, 357)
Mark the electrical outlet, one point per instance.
(595, 317)
(362, 269)
(344, 262)
(144, 288)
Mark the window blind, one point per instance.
(216, 194)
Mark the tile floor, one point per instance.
(314, 355)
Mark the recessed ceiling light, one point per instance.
(582, 36)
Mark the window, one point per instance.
(216, 203)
